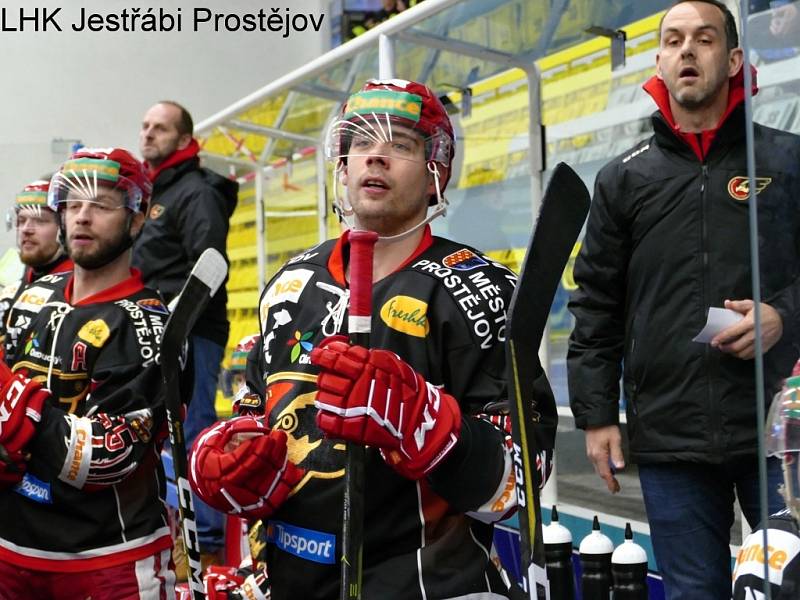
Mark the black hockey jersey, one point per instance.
(92, 496)
(443, 312)
(782, 558)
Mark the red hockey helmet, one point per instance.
(370, 115)
(32, 198)
(90, 168)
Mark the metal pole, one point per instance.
(261, 242)
(322, 196)
(756, 283)
(536, 165)
(549, 494)
(385, 57)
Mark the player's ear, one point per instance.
(137, 222)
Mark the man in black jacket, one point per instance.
(189, 213)
(667, 239)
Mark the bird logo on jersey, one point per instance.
(295, 414)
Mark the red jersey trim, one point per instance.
(119, 291)
(102, 558)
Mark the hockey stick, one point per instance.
(207, 275)
(362, 245)
(531, 403)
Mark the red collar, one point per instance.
(173, 159)
(702, 142)
(336, 262)
(121, 290)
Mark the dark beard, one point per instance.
(105, 254)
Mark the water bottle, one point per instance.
(629, 569)
(595, 551)
(558, 554)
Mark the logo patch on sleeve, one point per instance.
(288, 287)
(33, 299)
(463, 260)
(153, 305)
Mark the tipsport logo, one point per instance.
(316, 546)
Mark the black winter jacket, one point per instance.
(189, 212)
(667, 238)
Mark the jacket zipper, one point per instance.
(713, 402)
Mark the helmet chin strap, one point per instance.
(344, 209)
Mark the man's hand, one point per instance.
(604, 449)
(240, 466)
(739, 339)
(373, 397)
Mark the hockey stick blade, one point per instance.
(531, 403)
(203, 282)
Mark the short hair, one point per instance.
(731, 35)
(185, 123)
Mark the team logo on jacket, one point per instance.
(463, 260)
(156, 211)
(406, 315)
(95, 332)
(739, 186)
(153, 305)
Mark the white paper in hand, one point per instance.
(718, 319)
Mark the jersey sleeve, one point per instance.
(477, 477)
(124, 418)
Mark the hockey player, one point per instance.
(783, 536)
(438, 471)
(40, 249)
(81, 501)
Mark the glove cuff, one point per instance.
(434, 439)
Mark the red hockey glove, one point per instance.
(241, 467)
(375, 398)
(219, 581)
(21, 401)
